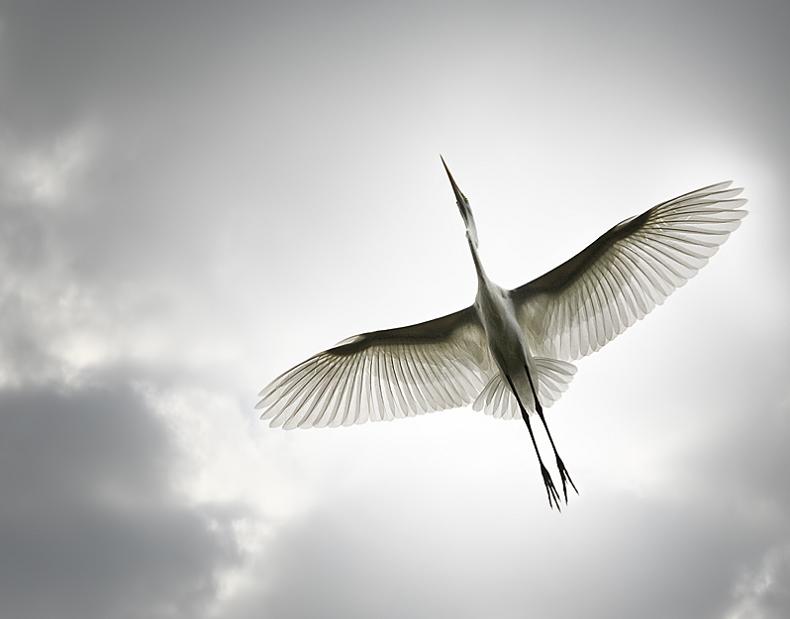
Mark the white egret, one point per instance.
(509, 353)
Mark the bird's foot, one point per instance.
(551, 490)
(565, 476)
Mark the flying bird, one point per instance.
(510, 352)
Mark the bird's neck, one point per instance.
(482, 278)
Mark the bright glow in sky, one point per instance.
(196, 196)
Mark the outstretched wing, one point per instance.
(587, 301)
(383, 375)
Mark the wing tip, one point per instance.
(717, 186)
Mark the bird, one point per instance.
(510, 354)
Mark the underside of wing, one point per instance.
(383, 375)
(578, 307)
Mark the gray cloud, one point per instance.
(92, 523)
(765, 592)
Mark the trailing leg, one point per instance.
(551, 490)
(565, 476)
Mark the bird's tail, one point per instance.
(553, 377)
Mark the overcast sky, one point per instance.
(196, 196)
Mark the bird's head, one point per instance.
(463, 206)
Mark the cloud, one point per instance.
(763, 592)
(44, 177)
(92, 522)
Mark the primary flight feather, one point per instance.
(509, 353)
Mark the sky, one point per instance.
(196, 196)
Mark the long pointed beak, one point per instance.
(460, 197)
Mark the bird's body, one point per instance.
(506, 340)
(510, 352)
